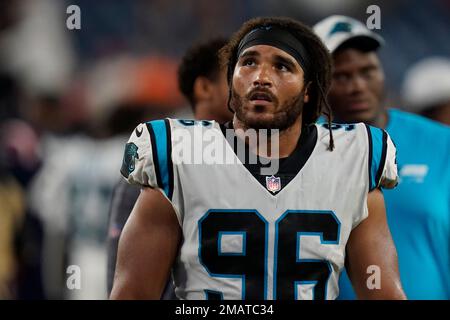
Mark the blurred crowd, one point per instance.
(70, 98)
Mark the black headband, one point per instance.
(280, 38)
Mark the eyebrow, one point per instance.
(278, 58)
(368, 66)
(286, 61)
(249, 53)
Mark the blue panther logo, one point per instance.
(341, 27)
(129, 157)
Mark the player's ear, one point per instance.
(306, 94)
(202, 88)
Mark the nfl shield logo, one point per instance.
(273, 184)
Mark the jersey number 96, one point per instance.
(250, 264)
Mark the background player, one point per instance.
(279, 74)
(419, 208)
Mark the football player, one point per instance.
(418, 209)
(229, 231)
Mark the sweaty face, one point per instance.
(267, 89)
(357, 88)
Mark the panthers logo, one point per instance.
(341, 27)
(129, 158)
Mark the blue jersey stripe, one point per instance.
(383, 157)
(160, 131)
(369, 164)
(377, 154)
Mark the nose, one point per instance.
(358, 84)
(262, 77)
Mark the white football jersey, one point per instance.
(246, 240)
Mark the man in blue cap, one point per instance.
(418, 209)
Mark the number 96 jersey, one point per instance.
(247, 235)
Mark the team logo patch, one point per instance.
(129, 158)
(341, 26)
(273, 184)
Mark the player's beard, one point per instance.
(283, 119)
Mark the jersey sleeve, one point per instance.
(382, 160)
(147, 158)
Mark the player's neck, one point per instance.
(279, 145)
(381, 120)
(202, 113)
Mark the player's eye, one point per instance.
(248, 62)
(341, 77)
(367, 72)
(282, 67)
